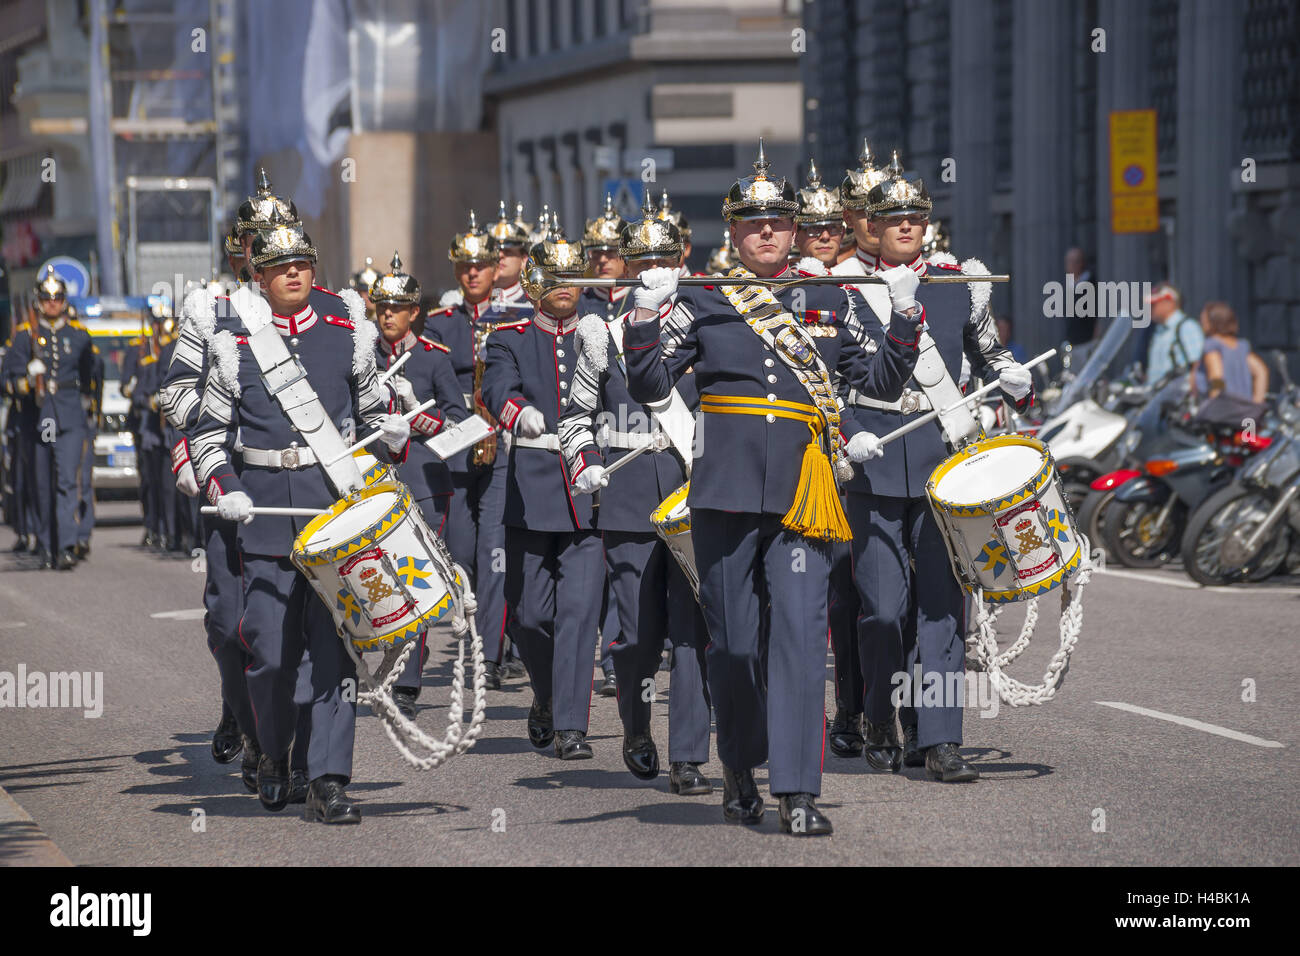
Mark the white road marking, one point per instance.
(1259, 588)
(189, 614)
(10, 625)
(1194, 724)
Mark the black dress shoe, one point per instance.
(297, 786)
(226, 741)
(514, 668)
(686, 780)
(945, 763)
(47, 561)
(800, 816)
(845, 734)
(492, 676)
(882, 749)
(82, 550)
(328, 803)
(66, 560)
(248, 769)
(912, 755)
(641, 756)
(610, 687)
(572, 745)
(273, 782)
(541, 730)
(404, 698)
(741, 802)
(20, 545)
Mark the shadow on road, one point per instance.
(17, 837)
(15, 777)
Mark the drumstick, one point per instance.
(610, 469)
(378, 432)
(255, 511)
(388, 372)
(972, 397)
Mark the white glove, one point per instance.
(35, 367)
(1016, 381)
(590, 479)
(235, 506)
(530, 423)
(903, 283)
(186, 483)
(864, 446)
(657, 287)
(405, 393)
(396, 430)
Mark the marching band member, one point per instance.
(653, 596)
(21, 435)
(361, 281)
(512, 250)
(554, 571)
(678, 219)
(763, 497)
(475, 534)
(853, 197)
(428, 373)
(283, 620)
(894, 528)
(56, 364)
(723, 258)
(819, 225)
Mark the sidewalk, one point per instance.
(22, 841)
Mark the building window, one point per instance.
(553, 23)
(1269, 79)
(1164, 77)
(575, 21)
(602, 26)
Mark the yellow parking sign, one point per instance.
(1134, 203)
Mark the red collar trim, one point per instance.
(870, 263)
(404, 344)
(917, 265)
(553, 326)
(294, 324)
(476, 309)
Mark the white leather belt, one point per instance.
(290, 458)
(547, 442)
(907, 404)
(469, 401)
(626, 440)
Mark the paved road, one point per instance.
(121, 788)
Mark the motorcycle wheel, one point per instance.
(1212, 548)
(1092, 514)
(1132, 538)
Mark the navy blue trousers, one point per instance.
(476, 538)
(887, 532)
(653, 600)
(86, 489)
(58, 463)
(435, 515)
(223, 601)
(284, 621)
(608, 627)
(553, 586)
(763, 590)
(842, 612)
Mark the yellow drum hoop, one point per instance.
(660, 516)
(994, 506)
(407, 631)
(336, 553)
(1035, 588)
(381, 471)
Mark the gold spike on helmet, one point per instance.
(668, 213)
(651, 237)
(554, 255)
(858, 182)
(395, 286)
(935, 239)
(603, 232)
(255, 211)
(473, 245)
(521, 223)
(539, 232)
(723, 259)
(898, 194)
(281, 241)
(506, 232)
(759, 196)
(50, 285)
(364, 278)
(818, 206)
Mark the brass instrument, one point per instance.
(485, 451)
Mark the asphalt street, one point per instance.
(1073, 781)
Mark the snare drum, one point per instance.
(373, 471)
(672, 521)
(378, 567)
(1004, 518)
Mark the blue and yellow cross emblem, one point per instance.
(994, 555)
(412, 572)
(347, 603)
(1056, 524)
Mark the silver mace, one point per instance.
(540, 278)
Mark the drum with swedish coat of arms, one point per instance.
(378, 567)
(1005, 519)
